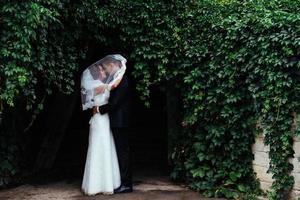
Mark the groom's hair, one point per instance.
(108, 59)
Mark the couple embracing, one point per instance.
(105, 90)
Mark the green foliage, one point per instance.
(42, 44)
(235, 63)
(9, 167)
(36, 49)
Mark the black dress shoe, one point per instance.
(123, 189)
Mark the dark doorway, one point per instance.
(149, 135)
(148, 138)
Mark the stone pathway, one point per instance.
(145, 188)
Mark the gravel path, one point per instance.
(144, 189)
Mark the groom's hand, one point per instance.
(94, 110)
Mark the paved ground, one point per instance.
(146, 188)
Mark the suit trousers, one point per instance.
(121, 137)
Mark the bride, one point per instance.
(101, 172)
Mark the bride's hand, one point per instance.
(100, 89)
(116, 84)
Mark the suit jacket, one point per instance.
(119, 105)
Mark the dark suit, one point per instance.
(119, 110)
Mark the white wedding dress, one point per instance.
(101, 172)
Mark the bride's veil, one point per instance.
(94, 75)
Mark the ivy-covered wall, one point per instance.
(261, 165)
(232, 62)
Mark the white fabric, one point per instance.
(88, 82)
(117, 76)
(101, 172)
(87, 87)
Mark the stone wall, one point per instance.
(261, 165)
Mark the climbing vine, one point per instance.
(234, 63)
(41, 46)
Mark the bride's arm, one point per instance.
(117, 79)
(119, 97)
(112, 85)
(100, 89)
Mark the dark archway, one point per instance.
(149, 140)
(149, 135)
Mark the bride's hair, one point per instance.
(108, 60)
(94, 70)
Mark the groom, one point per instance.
(119, 109)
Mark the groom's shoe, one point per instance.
(123, 189)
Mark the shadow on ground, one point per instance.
(145, 188)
